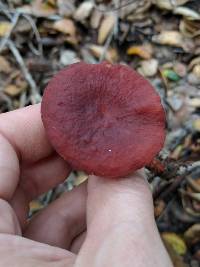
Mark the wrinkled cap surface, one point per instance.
(103, 119)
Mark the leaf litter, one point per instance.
(161, 40)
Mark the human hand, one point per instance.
(99, 224)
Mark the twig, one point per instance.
(173, 187)
(36, 32)
(167, 208)
(106, 46)
(3, 9)
(14, 21)
(116, 27)
(36, 98)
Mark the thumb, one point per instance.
(121, 230)
(125, 200)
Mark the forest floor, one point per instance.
(158, 38)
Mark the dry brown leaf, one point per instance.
(134, 10)
(106, 27)
(159, 207)
(83, 11)
(192, 235)
(65, 26)
(172, 38)
(110, 55)
(13, 90)
(143, 51)
(5, 27)
(41, 8)
(190, 28)
(4, 65)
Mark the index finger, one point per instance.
(23, 143)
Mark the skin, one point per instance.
(118, 214)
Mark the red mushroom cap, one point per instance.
(103, 119)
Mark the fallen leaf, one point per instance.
(194, 62)
(159, 207)
(95, 18)
(13, 90)
(187, 12)
(175, 241)
(82, 177)
(190, 28)
(177, 260)
(106, 27)
(4, 65)
(143, 51)
(134, 10)
(5, 27)
(40, 8)
(196, 71)
(65, 26)
(171, 75)
(192, 235)
(194, 102)
(196, 125)
(83, 11)
(110, 55)
(169, 4)
(172, 38)
(35, 205)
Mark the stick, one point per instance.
(36, 32)
(14, 21)
(36, 98)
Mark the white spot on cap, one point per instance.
(109, 150)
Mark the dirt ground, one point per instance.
(158, 38)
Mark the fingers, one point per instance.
(36, 180)
(43, 175)
(61, 221)
(77, 243)
(8, 220)
(121, 227)
(9, 169)
(24, 130)
(21, 252)
(23, 139)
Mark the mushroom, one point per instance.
(103, 119)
